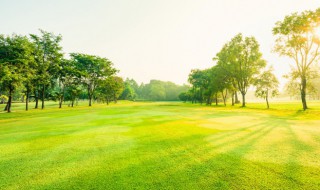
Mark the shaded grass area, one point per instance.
(161, 146)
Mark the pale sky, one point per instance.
(153, 39)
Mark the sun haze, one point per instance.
(149, 39)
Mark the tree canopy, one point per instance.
(297, 38)
(242, 61)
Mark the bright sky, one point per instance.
(153, 39)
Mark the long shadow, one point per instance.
(235, 157)
(55, 160)
(294, 168)
(186, 163)
(174, 157)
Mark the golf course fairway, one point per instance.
(164, 145)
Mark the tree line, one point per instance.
(34, 68)
(239, 64)
(155, 90)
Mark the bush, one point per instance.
(3, 99)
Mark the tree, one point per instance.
(199, 79)
(128, 93)
(110, 88)
(157, 91)
(242, 60)
(294, 86)
(47, 55)
(92, 69)
(220, 82)
(29, 78)
(68, 77)
(297, 39)
(184, 96)
(266, 86)
(15, 56)
(130, 90)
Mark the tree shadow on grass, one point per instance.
(194, 161)
(228, 169)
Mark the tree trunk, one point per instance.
(36, 96)
(224, 96)
(267, 96)
(72, 102)
(6, 108)
(61, 98)
(43, 95)
(115, 98)
(243, 99)
(236, 98)
(90, 94)
(209, 99)
(27, 100)
(232, 99)
(60, 102)
(303, 92)
(9, 101)
(216, 99)
(90, 100)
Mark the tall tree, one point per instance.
(67, 77)
(199, 79)
(15, 56)
(29, 78)
(242, 60)
(266, 86)
(297, 38)
(48, 55)
(294, 86)
(92, 69)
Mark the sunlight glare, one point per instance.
(317, 31)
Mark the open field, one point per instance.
(161, 146)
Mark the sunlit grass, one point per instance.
(161, 145)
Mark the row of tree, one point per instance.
(239, 63)
(36, 67)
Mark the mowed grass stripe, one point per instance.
(161, 146)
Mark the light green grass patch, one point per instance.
(161, 146)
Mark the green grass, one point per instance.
(161, 146)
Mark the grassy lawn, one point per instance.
(161, 146)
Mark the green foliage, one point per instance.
(47, 55)
(293, 87)
(130, 89)
(241, 60)
(199, 79)
(3, 99)
(15, 58)
(184, 96)
(157, 90)
(92, 69)
(110, 89)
